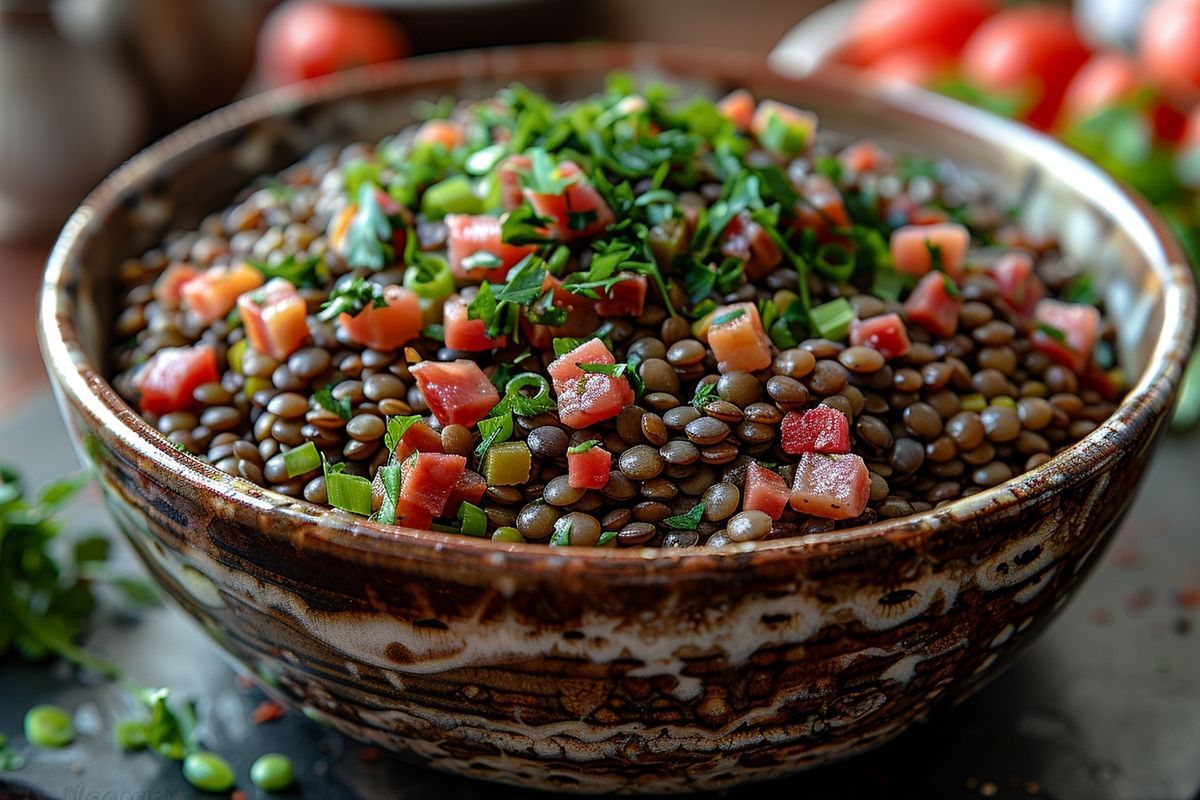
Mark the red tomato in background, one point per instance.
(923, 66)
(1104, 81)
(1169, 46)
(304, 39)
(1033, 49)
(882, 27)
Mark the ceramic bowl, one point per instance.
(613, 670)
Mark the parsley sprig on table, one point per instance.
(46, 599)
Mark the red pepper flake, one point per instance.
(1140, 600)
(1189, 597)
(369, 755)
(1127, 557)
(267, 711)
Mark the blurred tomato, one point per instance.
(1104, 81)
(306, 38)
(1027, 49)
(880, 27)
(1169, 46)
(1191, 134)
(915, 66)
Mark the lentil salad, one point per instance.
(629, 320)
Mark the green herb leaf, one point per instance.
(704, 394)
(309, 273)
(686, 522)
(582, 447)
(729, 316)
(396, 428)
(369, 235)
(327, 401)
(352, 297)
(1053, 332)
(493, 430)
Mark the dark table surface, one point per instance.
(1105, 706)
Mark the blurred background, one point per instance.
(86, 83)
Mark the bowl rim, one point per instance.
(77, 382)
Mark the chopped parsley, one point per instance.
(327, 401)
(686, 522)
(308, 273)
(369, 235)
(352, 298)
(582, 447)
(729, 316)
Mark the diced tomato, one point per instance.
(275, 317)
(1067, 332)
(1106, 80)
(822, 429)
(447, 133)
(625, 298)
(582, 318)
(745, 239)
(578, 212)
(932, 306)
(1020, 287)
(462, 332)
(468, 235)
(831, 486)
(469, 488)
(821, 207)
(457, 392)
(765, 491)
(1107, 382)
(386, 327)
(913, 247)
(864, 156)
(1028, 53)
(878, 27)
(509, 174)
(427, 479)
(212, 294)
(168, 379)
(418, 438)
(412, 515)
(799, 126)
(885, 333)
(738, 108)
(589, 469)
(167, 289)
(585, 398)
(738, 340)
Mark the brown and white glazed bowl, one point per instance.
(630, 670)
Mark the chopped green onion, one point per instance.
(582, 447)
(472, 520)
(390, 475)
(522, 404)
(455, 195)
(835, 262)
(301, 460)
(832, 320)
(348, 492)
(430, 278)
